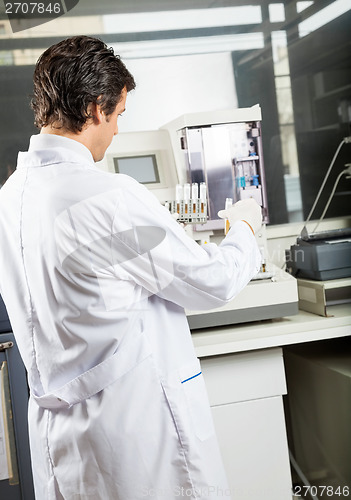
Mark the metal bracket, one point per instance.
(6, 345)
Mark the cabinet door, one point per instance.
(254, 448)
(8, 492)
(19, 401)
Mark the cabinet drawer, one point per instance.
(244, 376)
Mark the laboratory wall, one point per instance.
(168, 87)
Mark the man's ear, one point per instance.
(94, 110)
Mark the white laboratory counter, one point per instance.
(304, 327)
(244, 373)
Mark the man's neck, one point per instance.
(83, 137)
(49, 129)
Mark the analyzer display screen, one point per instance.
(141, 168)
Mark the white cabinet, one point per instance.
(245, 392)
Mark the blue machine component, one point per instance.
(255, 180)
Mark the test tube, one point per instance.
(228, 204)
(263, 257)
(240, 175)
(179, 196)
(194, 197)
(186, 199)
(203, 197)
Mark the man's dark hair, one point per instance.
(71, 75)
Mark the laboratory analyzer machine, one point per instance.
(222, 149)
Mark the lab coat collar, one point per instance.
(47, 149)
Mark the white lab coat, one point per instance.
(96, 274)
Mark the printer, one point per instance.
(321, 256)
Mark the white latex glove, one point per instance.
(248, 211)
(175, 215)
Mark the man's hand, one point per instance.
(248, 211)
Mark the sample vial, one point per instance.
(263, 259)
(194, 198)
(186, 200)
(179, 197)
(228, 204)
(203, 198)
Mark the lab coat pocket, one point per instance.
(194, 389)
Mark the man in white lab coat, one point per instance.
(96, 274)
